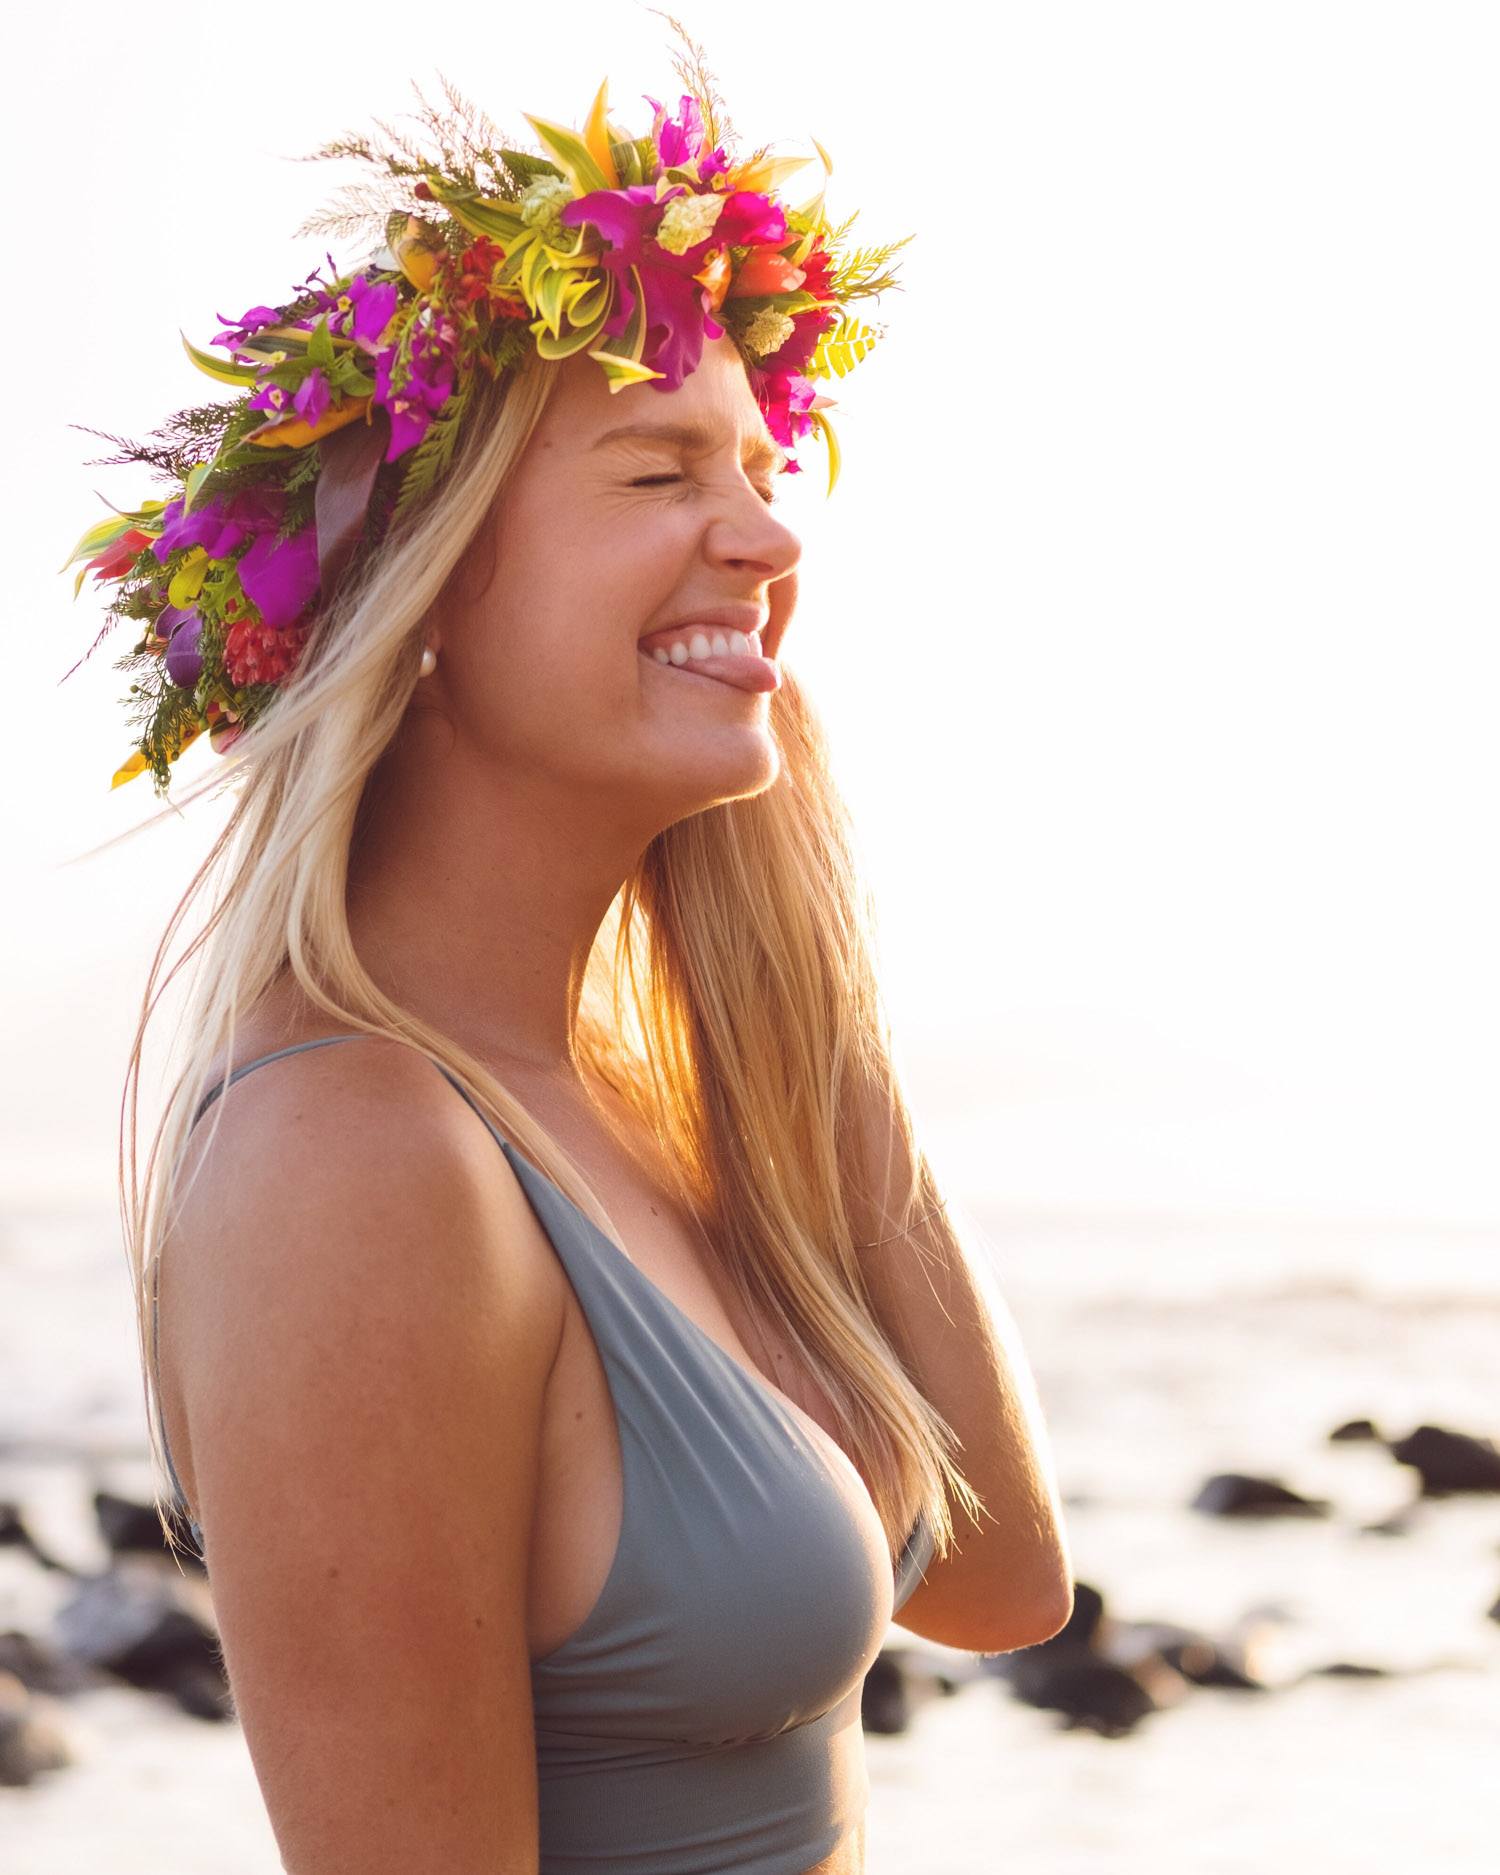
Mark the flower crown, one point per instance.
(352, 394)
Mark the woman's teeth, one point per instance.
(703, 644)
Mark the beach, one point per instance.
(1233, 1347)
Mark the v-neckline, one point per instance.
(788, 1408)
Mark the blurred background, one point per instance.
(1153, 623)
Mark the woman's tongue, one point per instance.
(750, 670)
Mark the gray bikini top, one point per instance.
(705, 1717)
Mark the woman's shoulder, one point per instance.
(348, 1150)
(350, 1204)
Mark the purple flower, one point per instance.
(679, 144)
(279, 577)
(428, 385)
(238, 330)
(218, 526)
(313, 396)
(184, 661)
(363, 311)
(272, 397)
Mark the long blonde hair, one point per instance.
(730, 998)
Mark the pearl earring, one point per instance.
(429, 660)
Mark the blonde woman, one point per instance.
(559, 1345)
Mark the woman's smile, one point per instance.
(725, 657)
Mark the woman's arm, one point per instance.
(1007, 1583)
(361, 1333)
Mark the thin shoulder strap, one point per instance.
(218, 1087)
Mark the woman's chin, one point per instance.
(707, 767)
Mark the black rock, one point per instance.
(885, 1701)
(1089, 1691)
(905, 1676)
(1073, 1671)
(1236, 1494)
(1354, 1429)
(41, 1668)
(1084, 1622)
(140, 1624)
(15, 1535)
(1347, 1670)
(1447, 1461)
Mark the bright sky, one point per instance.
(1153, 619)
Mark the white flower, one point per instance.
(768, 331)
(688, 220)
(542, 202)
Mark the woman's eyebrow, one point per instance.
(759, 452)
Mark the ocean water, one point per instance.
(1162, 1350)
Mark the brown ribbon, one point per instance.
(348, 460)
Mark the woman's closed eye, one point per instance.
(767, 495)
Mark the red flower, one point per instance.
(120, 555)
(477, 267)
(254, 654)
(817, 272)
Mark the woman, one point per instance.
(564, 1371)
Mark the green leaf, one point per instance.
(320, 344)
(572, 152)
(223, 369)
(291, 341)
(570, 342)
(195, 480)
(549, 298)
(500, 221)
(526, 168)
(797, 301)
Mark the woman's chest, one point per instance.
(738, 1434)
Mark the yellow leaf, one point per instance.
(769, 173)
(825, 429)
(187, 582)
(127, 771)
(100, 536)
(293, 432)
(623, 371)
(596, 138)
